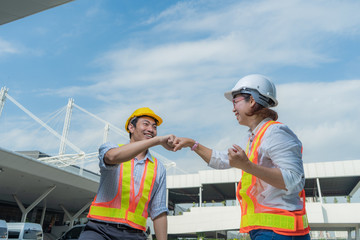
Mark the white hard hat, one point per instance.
(259, 86)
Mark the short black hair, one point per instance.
(133, 122)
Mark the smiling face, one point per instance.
(145, 128)
(242, 105)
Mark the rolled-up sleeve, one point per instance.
(219, 160)
(103, 149)
(285, 152)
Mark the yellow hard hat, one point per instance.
(144, 111)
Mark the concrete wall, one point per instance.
(228, 217)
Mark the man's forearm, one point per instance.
(129, 151)
(160, 226)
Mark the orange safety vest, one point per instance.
(126, 207)
(257, 216)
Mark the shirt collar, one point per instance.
(255, 131)
(147, 156)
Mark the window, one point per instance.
(32, 234)
(13, 234)
(3, 232)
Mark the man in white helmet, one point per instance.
(271, 190)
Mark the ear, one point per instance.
(252, 101)
(131, 128)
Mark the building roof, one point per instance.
(29, 178)
(11, 10)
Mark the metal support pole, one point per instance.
(106, 132)
(66, 126)
(76, 215)
(319, 190)
(200, 196)
(236, 202)
(24, 210)
(3, 93)
(167, 197)
(75, 148)
(43, 213)
(82, 164)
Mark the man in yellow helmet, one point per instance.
(132, 184)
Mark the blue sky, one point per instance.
(178, 58)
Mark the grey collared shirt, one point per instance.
(109, 181)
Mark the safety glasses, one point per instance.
(238, 99)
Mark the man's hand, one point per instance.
(238, 158)
(167, 142)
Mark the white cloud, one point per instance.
(7, 47)
(200, 43)
(325, 117)
(283, 16)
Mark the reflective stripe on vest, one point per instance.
(126, 207)
(256, 216)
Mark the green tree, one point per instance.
(200, 236)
